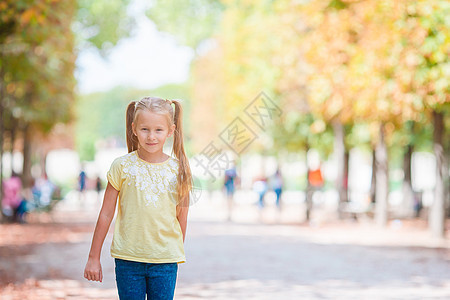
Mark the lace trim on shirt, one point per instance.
(152, 180)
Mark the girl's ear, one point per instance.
(172, 130)
(133, 128)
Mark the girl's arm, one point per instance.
(93, 270)
(182, 213)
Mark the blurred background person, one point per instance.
(98, 187)
(260, 187)
(82, 184)
(44, 189)
(12, 198)
(315, 181)
(277, 187)
(230, 187)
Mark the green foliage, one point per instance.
(102, 23)
(171, 91)
(101, 116)
(360, 62)
(337, 4)
(190, 22)
(357, 136)
(295, 131)
(37, 54)
(426, 28)
(37, 62)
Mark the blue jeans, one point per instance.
(136, 279)
(278, 193)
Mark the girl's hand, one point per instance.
(93, 270)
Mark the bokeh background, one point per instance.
(354, 92)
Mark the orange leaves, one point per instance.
(38, 60)
(26, 17)
(34, 15)
(372, 60)
(361, 66)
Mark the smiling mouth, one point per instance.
(151, 144)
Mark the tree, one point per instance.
(363, 68)
(426, 29)
(323, 41)
(37, 62)
(190, 22)
(383, 63)
(101, 24)
(37, 66)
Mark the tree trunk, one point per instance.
(309, 190)
(447, 190)
(408, 195)
(1, 146)
(26, 173)
(13, 139)
(43, 161)
(339, 152)
(382, 180)
(373, 183)
(344, 191)
(308, 199)
(437, 210)
(2, 135)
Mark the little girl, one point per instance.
(153, 190)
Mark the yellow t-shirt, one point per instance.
(146, 227)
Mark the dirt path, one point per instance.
(243, 259)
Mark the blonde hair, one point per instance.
(164, 107)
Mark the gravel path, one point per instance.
(256, 256)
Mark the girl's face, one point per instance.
(152, 130)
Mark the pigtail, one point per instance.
(132, 141)
(184, 179)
